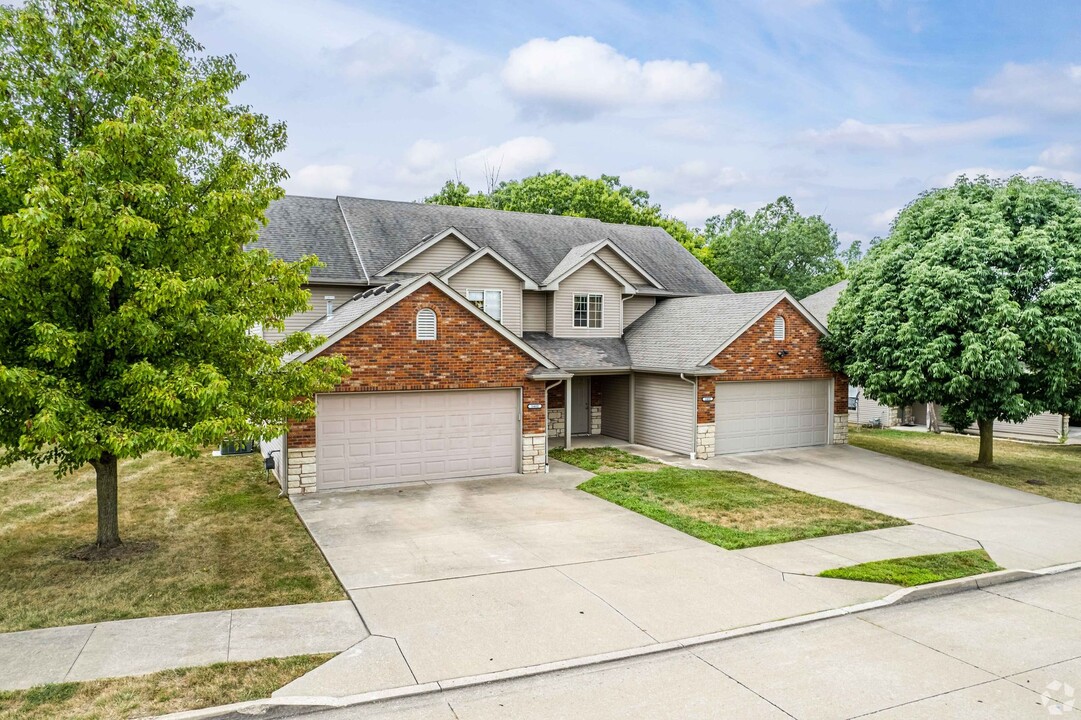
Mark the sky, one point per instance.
(852, 108)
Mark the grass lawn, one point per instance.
(602, 459)
(1053, 471)
(731, 509)
(211, 535)
(157, 694)
(918, 570)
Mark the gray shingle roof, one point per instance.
(299, 226)
(679, 333)
(535, 244)
(821, 303)
(581, 353)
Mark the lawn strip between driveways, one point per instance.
(207, 533)
(162, 692)
(918, 569)
(1046, 469)
(733, 510)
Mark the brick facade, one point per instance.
(384, 355)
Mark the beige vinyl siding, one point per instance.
(868, 410)
(549, 313)
(1044, 425)
(587, 279)
(635, 307)
(620, 265)
(438, 257)
(317, 309)
(534, 311)
(664, 412)
(616, 407)
(487, 274)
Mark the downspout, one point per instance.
(546, 389)
(694, 416)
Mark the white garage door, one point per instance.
(377, 438)
(772, 415)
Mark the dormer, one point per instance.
(433, 254)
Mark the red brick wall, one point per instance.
(557, 397)
(753, 356)
(384, 355)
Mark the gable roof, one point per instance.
(425, 244)
(383, 230)
(487, 252)
(821, 303)
(688, 332)
(371, 304)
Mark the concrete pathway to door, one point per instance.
(470, 578)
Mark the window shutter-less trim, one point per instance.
(778, 327)
(426, 324)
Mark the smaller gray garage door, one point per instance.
(772, 415)
(379, 438)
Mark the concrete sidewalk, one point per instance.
(146, 645)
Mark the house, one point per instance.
(477, 337)
(865, 410)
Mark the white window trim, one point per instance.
(484, 293)
(780, 328)
(435, 324)
(587, 296)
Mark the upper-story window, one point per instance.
(778, 327)
(426, 325)
(490, 301)
(588, 310)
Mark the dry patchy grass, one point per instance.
(218, 538)
(603, 459)
(732, 509)
(1053, 471)
(156, 694)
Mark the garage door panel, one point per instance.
(381, 438)
(754, 416)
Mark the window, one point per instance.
(588, 311)
(490, 301)
(778, 328)
(426, 324)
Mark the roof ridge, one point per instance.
(353, 240)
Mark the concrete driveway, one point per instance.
(1020, 530)
(466, 578)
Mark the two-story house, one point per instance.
(476, 337)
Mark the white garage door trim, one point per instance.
(772, 415)
(384, 438)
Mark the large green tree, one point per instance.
(129, 186)
(973, 302)
(774, 248)
(558, 193)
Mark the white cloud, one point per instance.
(405, 60)
(853, 134)
(693, 176)
(320, 180)
(1032, 171)
(1060, 155)
(428, 162)
(1052, 89)
(883, 220)
(577, 77)
(687, 129)
(696, 213)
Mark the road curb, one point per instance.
(292, 706)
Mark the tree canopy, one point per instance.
(774, 248)
(972, 302)
(558, 193)
(129, 187)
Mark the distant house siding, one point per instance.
(487, 274)
(869, 410)
(534, 311)
(438, 257)
(587, 279)
(1044, 425)
(616, 399)
(317, 309)
(635, 307)
(621, 266)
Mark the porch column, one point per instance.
(567, 412)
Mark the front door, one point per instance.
(580, 406)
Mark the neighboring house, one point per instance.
(474, 336)
(864, 410)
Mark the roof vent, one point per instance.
(367, 293)
(393, 286)
(379, 290)
(358, 296)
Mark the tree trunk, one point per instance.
(987, 442)
(108, 520)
